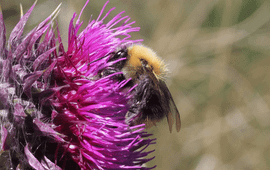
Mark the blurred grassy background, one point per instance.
(218, 55)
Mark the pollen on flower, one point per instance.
(55, 112)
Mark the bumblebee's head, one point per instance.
(140, 56)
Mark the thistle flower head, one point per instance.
(55, 112)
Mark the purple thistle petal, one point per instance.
(45, 128)
(48, 72)
(82, 11)
(18, 29)
(40, 59)
(42, 46)
(29, 81)
(2, 34)
(49, 165)
(61, 47)
(37, 34)
(6, 69)
(21, 49)
(33, 162)
(4, 134)
(101, 12)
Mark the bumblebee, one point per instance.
(152, 100)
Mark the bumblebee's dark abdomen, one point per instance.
(153, 109)
(147, 100)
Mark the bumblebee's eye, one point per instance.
(119, 53)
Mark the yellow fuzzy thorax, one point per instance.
(138, 52)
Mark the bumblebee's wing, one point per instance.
(172, 111)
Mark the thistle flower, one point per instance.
(55, 112)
